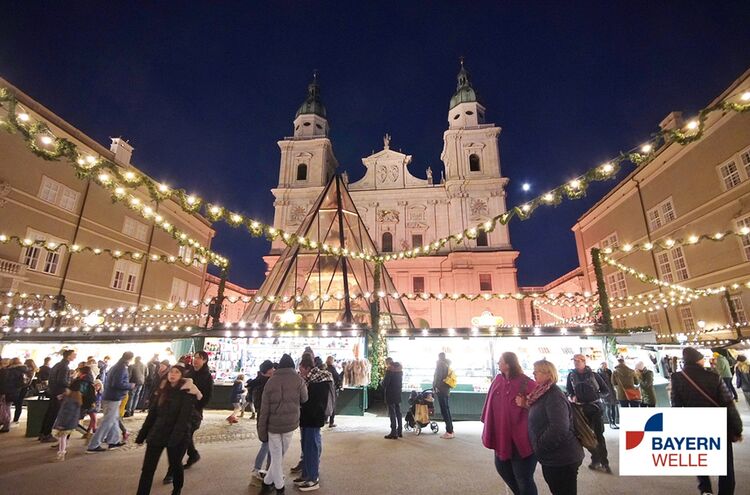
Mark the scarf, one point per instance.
(318, 375)
(541, 389)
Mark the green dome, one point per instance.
(312, 104)
(464, 92)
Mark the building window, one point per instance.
(56, 193)
(485, 282)
(37, 258)
(730, 176)
(536, 314)
(482, 240)
(654, 322)
(185, 253)
(661, 214)
(182, 291)
(417, 285)
(125, 276)
(416, 240)
(739, 309)
(745, 239)
(302, 171)
(621, 322)
(387, 242)
(610, 241)
(474, 165)
(745, 158)
(686, 316)
(616, 285)
(135, 229)
(672, 265)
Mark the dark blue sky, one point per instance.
(204, 91)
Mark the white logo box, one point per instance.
(693, 442)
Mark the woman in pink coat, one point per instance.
(506, 428)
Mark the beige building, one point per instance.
(44, 200)
(685, 191)
(238, 299)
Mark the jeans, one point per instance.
(726, 483)
(197, 419)
(730, 386)
(594, 417)
(394, 412)
(630, 403)
(562, 480)
(263, 455)
(278, 443)
(133, 398)
(612, 410)
(445, 411)
(518, 474)
(50, 416)
(151, 460)
(108, 430)
(312, 446)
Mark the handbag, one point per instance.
(583, 430)
(632, 393)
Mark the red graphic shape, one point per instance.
(633, 439)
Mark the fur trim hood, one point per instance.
(190, 387)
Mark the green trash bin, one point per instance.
(36, 408)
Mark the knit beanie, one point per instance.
(286, 361)
(266, 365)
(691, 356)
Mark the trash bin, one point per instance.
(36, 408)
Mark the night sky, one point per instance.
(204, 91)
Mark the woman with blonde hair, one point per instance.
(551, 431)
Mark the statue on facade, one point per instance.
(345, 177)
(429, 175)
(387, 141)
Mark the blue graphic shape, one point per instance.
(655, 423)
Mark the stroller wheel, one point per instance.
(418, 429)
(434, 427)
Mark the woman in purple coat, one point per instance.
(506, 426)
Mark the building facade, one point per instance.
(402, 211)
(44, 200)
(685, 191)
(238, 299)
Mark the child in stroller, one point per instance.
(420, 411)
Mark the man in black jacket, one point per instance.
(695, 386)
(392, 384)
(59, 379)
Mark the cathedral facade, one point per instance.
(402, 211)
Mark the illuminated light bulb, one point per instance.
(3, 238)
(28, 242)
(693, 239)
(46, 140)
(81, 161)
(648, 246)
(745, 230)
(135, 201)
(117, 254)
(692, 125)
(718, 235)
(526, 186)
(627, 247)
(607, 168)
(646, 148)
(51, 245)
(487, 225)
(90, 160)
(163, 188)
(669, 242)
(236, 218)
(745, 96)
(129, 175)
(24, 117)
(548, 197)
(103, 178)
(119, 191)
(215, 210)
(525, 208)
(166, 225)
(190, 200)
(574, 184)
(97, 251)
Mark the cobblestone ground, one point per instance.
(356, 460)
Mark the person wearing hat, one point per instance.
(278, 417)
(625, 380)
(696, 386)
(255, 389)
(725, 372)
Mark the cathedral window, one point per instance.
(482, 240)
(485, 282)
(474, 163)
(417, 285)
(387, 244)
(416, 240)
(302, 171)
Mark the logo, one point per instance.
(634, 438)
(681, 441)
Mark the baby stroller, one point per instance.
(421, 410)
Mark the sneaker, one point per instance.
(61, 455)
(607, 469)
(47, 439)
(117, 445)
(594, 466)
(257, 474)
(280, 491)
(333, 425)
(96, 450)
(309, 486)
(614, 427)
(192, 460)
(447, 436)
(297, 468)
(299, 481)
(391, 436)
(267, 489)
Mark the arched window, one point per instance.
(387, 244)
(473, 163)
(482, 240)
(302, 171)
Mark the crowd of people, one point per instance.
(527, 420)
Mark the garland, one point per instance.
(672, 243)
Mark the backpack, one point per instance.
(582, 429)
(585, 388)
(451, 380)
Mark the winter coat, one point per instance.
(280, 408)
(59, 378)
(169, 424)
(103, 366)
(722, 367)
(43, 374)
(623, 378)
(117, 385)
(393, 384)
(648, 394)
(138, 373)
(552, 431)
(742, 370)
(586, 386)
(12, 381)
(255, 389)
(79, 398)
(319, 390)
(237, 391)
(441, 372)
(505, 423)
(338, 379)
(205, 383)
(606, 376)
(683, 394)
